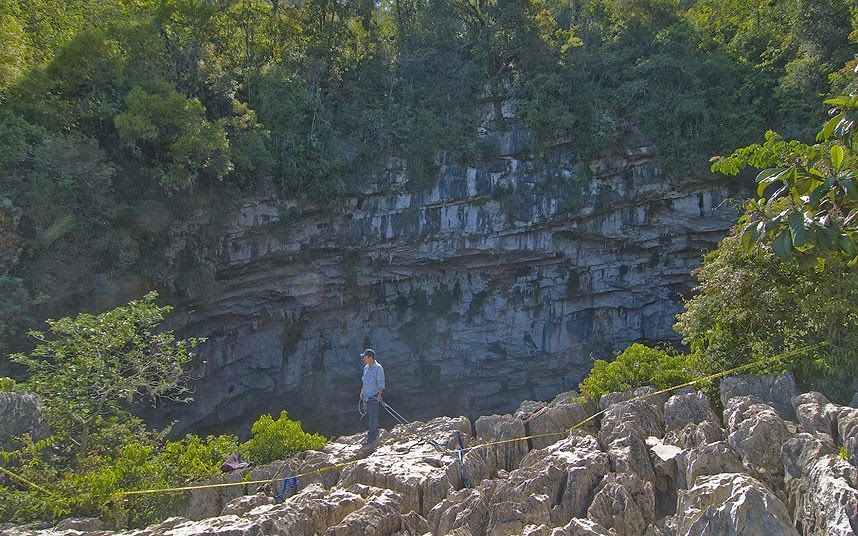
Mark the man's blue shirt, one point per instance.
(373, 380)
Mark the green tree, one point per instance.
(14, 56)
(789, 55)
(172, 131)
(752, 305)
(91, 367)
(12, 288)
(808, 198)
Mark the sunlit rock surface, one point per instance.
(760, 475)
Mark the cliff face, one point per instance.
(502, 283)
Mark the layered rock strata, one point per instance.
(497, 270)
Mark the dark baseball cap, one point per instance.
(368, 352)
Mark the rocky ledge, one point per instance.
(647, 463)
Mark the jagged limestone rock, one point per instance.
(757, 433)
(816, 414)
(822, 488)
(625, 428)
(419, 472)
(695, 435)
(623, 503)
(581, 527)
(775, 390)
(687, 408)
(731, 503)
(699, 487)
(496, 428)
(711, 459)
(22, 414)
(568, 472)
(381, 514)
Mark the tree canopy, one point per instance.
(111, 108)
(91, 368)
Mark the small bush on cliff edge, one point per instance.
(638, 366)
(278, 439)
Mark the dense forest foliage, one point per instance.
(116, 117)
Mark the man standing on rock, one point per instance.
(373, 385)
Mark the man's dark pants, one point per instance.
(372, 412)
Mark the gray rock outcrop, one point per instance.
(21, 414)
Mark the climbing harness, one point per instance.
(288, 482)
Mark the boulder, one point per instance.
(645, 394)
(380, 515)
(839, 424)
(246, 503)
(757, 433)
(775, 390)
(549, 424)
(624, 430)
(666, 462)
(623, 503)
(206, 502)
(847, 432)
(822, 488)
(22, 414)
(815, 413)
(500, 430)
(636, 417)
(568, 472)
(463, 509)
(581, 527)
(694, 435)
(709, 460)
(511, 517)
(731, 503)
(688, 408)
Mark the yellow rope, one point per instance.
(227, 484)
(31, 484)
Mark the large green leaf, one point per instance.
(799, 233)
(752, 233)
(837, 156)
(848, 187)
(847, 244)
(768, 177)
(821, 190)
(782, 245)
(828, 129)
(841, 101)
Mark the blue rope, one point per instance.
(465, 481)
(291, 482)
